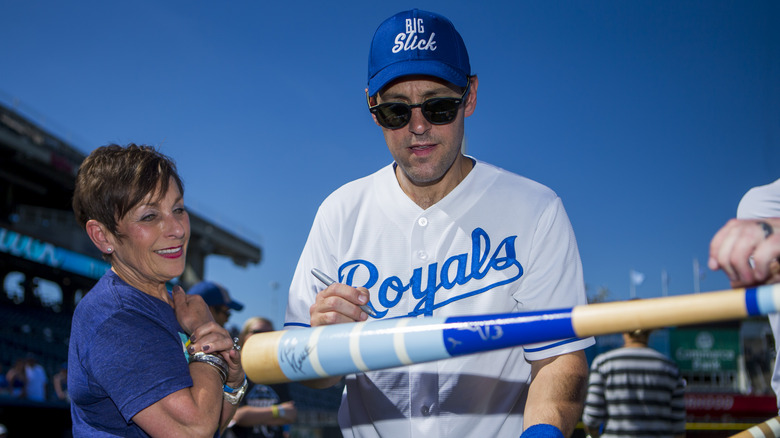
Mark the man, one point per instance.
(437, 233)
(748, 250)
(217, 298)
(634, 391)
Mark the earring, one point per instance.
(110, 250)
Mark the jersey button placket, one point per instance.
(422, 223)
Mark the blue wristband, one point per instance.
(230, 390)
(542, 431)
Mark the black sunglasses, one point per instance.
(438, 110)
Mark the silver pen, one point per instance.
(327, 281)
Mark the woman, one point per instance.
(144, 361)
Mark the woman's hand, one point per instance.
(236, 373)
(206, 335)
(191, 311)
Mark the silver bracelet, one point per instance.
(212, 359)
(234, 395)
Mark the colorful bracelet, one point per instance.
(275, 410)
(234, 395)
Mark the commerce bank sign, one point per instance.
(710, 350)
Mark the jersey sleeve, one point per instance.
(554, 278)
(760, 202)
(317, 253)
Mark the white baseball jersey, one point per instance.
(497, 243)
(762, 202)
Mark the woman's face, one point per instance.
(151, 245)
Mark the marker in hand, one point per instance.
(327, 281)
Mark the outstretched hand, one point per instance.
(747, 250)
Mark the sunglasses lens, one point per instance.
(392, 115)
(441, 111)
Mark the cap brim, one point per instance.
(416, 67)
(235, 305)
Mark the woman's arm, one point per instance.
(197, 411)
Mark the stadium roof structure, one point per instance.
(37, 177)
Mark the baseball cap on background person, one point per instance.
(217, 298)
(417, 42)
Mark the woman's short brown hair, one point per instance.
(113, 179)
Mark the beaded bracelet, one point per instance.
(215, 361)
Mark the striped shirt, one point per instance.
(635, 392)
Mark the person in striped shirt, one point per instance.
(634, 391)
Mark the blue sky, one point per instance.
(649, 118)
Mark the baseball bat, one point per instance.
(341, 349)
(768, 429)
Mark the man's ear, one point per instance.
(371, 103)
(471, 98)
(100, 236)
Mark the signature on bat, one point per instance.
(486, 333)
(295, 356)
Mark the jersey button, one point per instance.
(423, 221)
(426, 410)
(422, 255)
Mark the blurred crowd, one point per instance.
(27, 379)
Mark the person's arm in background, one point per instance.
(58, 380)
(249, 416)
(595, 411)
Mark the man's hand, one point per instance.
(339, 303)
(742, 240)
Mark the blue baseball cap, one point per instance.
(417, 42)
(215, 295)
